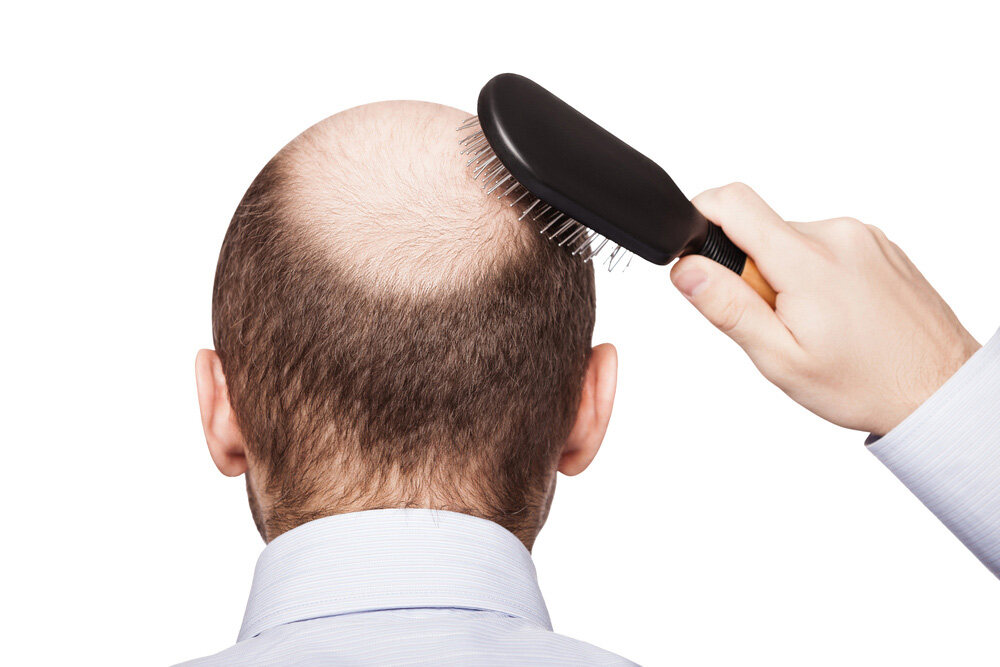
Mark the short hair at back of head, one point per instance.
(390, 336)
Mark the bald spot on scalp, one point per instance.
(383, 189)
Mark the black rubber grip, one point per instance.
(719, 248)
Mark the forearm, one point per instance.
(948, 454)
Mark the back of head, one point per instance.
(392, 337)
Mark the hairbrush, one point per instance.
(586, 189)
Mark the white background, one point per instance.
(721, 524)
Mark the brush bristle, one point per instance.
(577, 238)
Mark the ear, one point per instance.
(225, 441)
(594, 413)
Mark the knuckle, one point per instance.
(730, 316)
(847, 223)
(703, 199)
(736, 191)
(725, 198)
(877, 233)
(849, 231)
(807, 368)
(725, 194)
(793, 369)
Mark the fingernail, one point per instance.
(690, 283)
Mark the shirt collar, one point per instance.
(392, 559)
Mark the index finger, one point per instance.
(752, 225)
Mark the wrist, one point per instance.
(928, 379)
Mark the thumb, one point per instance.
(731, 305)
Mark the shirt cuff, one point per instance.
(948, 453)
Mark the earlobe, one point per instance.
(224, 438)
(594, 413)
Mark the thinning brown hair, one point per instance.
(358, 387)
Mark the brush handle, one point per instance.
(751, 274)
(719, 248)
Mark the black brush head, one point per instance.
(580, 169)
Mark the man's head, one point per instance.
(388, 336)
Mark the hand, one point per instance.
(858, 336)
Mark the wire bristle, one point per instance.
(577, 238)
